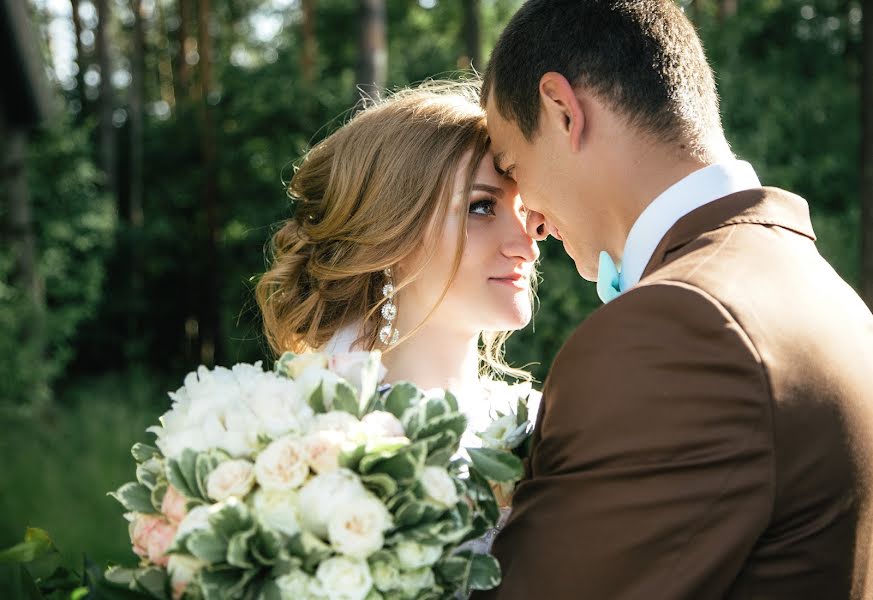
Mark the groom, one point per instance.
(709, 432)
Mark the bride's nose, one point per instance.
(517, 243)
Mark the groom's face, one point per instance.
(550, 184)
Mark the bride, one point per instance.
(404, 238)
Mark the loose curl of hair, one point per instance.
(365, 198)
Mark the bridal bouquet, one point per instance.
(309, 482)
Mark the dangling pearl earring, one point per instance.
(388, 335)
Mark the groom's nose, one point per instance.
(535, 223)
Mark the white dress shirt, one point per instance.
(700, 188)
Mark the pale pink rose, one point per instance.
(174, 505)
(323, 449)
(152, 536)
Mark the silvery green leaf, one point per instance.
(266, 546)
(148, 473)
(404, 467)
(455, 422)
(521, 414)
(380, 484)
(454, 569)
(452, 400)
(496, 465)
(157, 495)
(207, 545)
(143, 452)
(152, 580)
(346, 398)
(316, 400)
(309, 548)
(401, 397)
(280, 367)
(446, 439)
(351, 459)
(231, 517)
(482, 494)
(204, 464)
(409, 514)
(436, 407)
(484, 572)
(135, 497)
(174, 475)
(238, 549)
(518, 435)
(400, 499)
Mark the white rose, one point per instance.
(323, 449)
(336, 420)
(322, 496)
(356, 528)
(413, 582)
(385, 572)
(439, 486)
(381, 424)
(282, 465)
(341, 578)
(230, 478)
(497, 433)
(413, 555)
(278, 510)
(182, 570)
(196, 519)
(294, 585)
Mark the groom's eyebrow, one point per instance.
(498, 160)
(484, 187)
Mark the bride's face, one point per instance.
(491, 289)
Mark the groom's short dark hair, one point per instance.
(643, 57)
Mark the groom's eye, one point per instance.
(483, 208)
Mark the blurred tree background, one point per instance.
(151, 191)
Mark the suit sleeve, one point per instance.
(651, 468)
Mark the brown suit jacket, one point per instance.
(708, 433)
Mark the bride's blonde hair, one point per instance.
(364, 199)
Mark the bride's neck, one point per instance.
(435, 358)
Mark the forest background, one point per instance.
(129, 253)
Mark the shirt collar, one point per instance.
(697, 189)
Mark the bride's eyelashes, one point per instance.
(483, 207)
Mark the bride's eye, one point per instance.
(483, 208)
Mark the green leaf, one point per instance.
(266, 546)
(521, 412)
(453, 402)
(310, 549)
(135, 497)
(455, 570)
(482, 494)
(207, 545)
(401, 397)
(36, 544)
(188, 468)
(484, 572)
(174, 475)
(380, 484)
(454, 422)
(346, 398)
(233, 516)
(351, 459)
(316, 400)
(496, 465)
(404, 467)
(238, 549)
(157, 495)
(203, 466)
(143, 452)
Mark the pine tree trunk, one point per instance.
(210, 302)
(167, 81)
(372, 48)
(310, 44)
(81, 63)
(472, 35)
(183, 70)
(107, 131)
(867, 155)
(135, 100)
(727, 9)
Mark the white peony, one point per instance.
(230, 409)
(380, 424)
(324, 494)
(336, 420)
(230, 478)
(278, 510)
(413, 555)
(282, 465)
(439, 486)
(341, 578)
(356, 528)
(295, 585)
(322, 449)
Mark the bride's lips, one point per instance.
(515, 279)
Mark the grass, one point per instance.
(57, 467)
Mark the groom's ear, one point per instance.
(562, 108)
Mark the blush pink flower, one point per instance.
(152, 536)
(174, 506)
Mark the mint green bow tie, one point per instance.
(608, 280)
